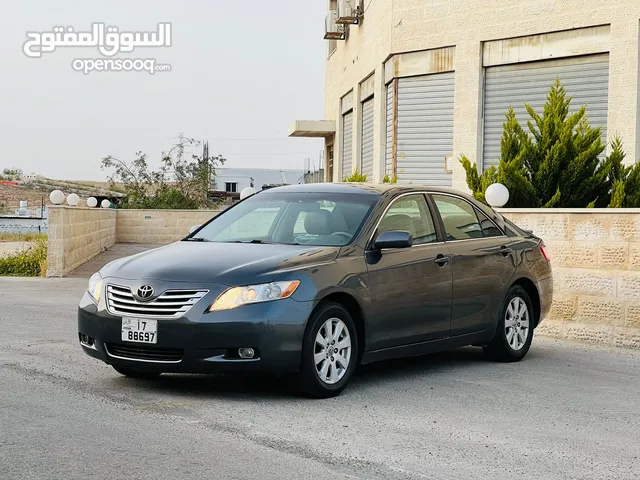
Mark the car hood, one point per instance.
(224, 263)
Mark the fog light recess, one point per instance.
(246, 353)
(86, 340)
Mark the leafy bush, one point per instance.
(182, 181)
(557, 163)
(355, 177)
(30, 263)
(388, 179)
(11, 174)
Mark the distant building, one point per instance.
(231, 181)
(32, 177)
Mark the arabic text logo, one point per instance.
(108, 39)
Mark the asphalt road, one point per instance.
(569, 411)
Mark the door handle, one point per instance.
(442, 260)
(505, 251)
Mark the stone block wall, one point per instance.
(595, 256)
(158, 226)
(76, 235)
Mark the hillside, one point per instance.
(10, 197)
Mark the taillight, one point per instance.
(543, 249)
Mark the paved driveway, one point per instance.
(114, 252)
(568, 412)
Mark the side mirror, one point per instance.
(393, 239)
(194, 228)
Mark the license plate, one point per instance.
(139, 330)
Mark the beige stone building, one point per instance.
(413, 84)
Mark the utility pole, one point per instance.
(206, 172)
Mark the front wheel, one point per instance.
(130, 372)
(329, 352)
(514, 334)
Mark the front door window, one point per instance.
(410, 214)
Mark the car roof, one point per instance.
(360, 188)
(381, 190)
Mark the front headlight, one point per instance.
(95, 286)
(266, 292)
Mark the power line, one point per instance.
(367, 7)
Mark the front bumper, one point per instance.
(203, 342)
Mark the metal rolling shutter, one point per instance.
(586, 79)
(425, 129)
(367, 139)
(388, 162)
(347, 144)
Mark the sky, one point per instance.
(241, 73)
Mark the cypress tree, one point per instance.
(555, 164)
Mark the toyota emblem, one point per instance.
(145, 292)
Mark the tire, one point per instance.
(130, 372)
(331, 367)
(505, 347)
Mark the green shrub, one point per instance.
(388, 179)
(355, 177)
(621, 184)
(556, 163)
(30, 263)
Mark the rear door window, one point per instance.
(489, 228)
(459, 218)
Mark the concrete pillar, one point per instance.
(337, 146)
(467, 128)
(624, 102)
(357, 130)
(380, 126)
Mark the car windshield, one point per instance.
(317, 219)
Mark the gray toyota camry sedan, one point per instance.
(313, 280)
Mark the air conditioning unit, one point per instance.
(349, 12)
(333, 31)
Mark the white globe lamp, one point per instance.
(247, 192)
(105, 203)
(73, 199)
(57, 197)
(92, 202)
(497, 195)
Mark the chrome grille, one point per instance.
(171, 304)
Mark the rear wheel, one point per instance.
(329, 352)
(514, 334)
(133, 373)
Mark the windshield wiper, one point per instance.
(197, 239)
(263, 242)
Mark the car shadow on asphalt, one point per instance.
(263, 386)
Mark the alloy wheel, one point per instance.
(516, 323)
(332, 352)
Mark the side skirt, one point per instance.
(432, 346)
